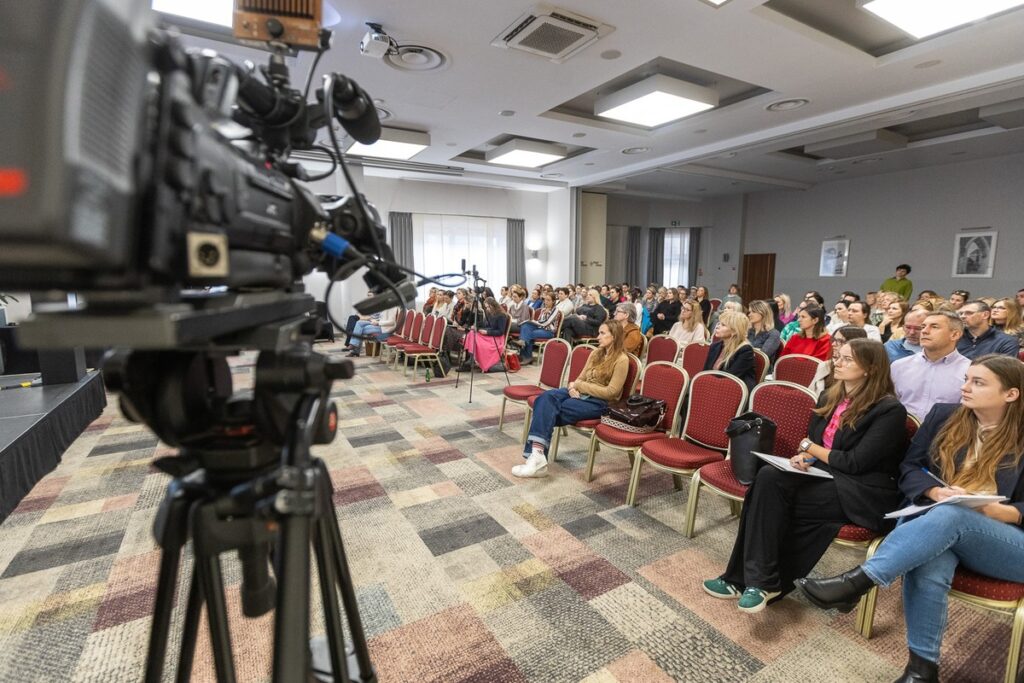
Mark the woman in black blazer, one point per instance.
(974, 447)
(731, 351)
(666, 313)
(857, 434)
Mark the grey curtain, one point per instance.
(656, 256)
(516, 253)
(633, 256)
(694, 255)
(401, 237)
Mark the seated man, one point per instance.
(587, 319)
(911, 342)
(937, 373)
(980, 337)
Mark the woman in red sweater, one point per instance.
(812, 339)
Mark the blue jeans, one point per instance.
(363, 328)
(527, 334)
(554, 408)
(926, 550)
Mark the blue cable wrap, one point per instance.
(334, 245)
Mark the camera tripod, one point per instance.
(478, 291)
(245, 481)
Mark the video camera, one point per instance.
(126, 177)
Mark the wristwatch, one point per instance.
(805, 444)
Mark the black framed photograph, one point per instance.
(974, 253)
(835, 256)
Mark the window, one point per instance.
(677, 257)
(441, 242)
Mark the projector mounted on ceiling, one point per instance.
(550, 32)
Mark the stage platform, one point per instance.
(37, 425)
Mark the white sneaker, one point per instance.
(535, 466)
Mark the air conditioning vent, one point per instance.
(554, 34)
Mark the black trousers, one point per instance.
(577, 327)
(787, 524)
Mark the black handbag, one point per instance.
(748, 433)
(637, 414)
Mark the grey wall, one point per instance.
(908, 216)
(647, 213)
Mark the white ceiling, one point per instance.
(732, 149)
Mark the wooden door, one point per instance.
(758, 276)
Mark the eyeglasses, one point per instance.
(838, 341)
(844, 360)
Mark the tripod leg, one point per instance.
(291, 622)
(190, 630)
(329, 597)
(164, 605)
(207, 566)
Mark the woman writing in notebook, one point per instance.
(856, 435)
(974, 447)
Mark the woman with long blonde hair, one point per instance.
(1006, 317)
(974, 447)
(586, 398)
(731, 351)
(690, 326)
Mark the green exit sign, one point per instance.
(675, 224)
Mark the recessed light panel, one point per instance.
(656, 101)
(923, 18)
(394, 143)
(219, 12)
(526, 153)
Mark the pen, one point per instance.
(928, 472)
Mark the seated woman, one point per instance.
(486, 344)
(824, 378)
(811, 338)
(690, 326)
(976, 447)
(586, 398)
(632, 339)
(666, 313)
(762, 334)
(793, 326)
(789, 519)
(731, 352)
(704, 300)
(587, 318)
(891, 326)
(428, 307)
(1006, 317)
(519, 310)
(786, 312)
(544, 327)
(443, 304)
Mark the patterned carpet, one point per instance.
(463, 573)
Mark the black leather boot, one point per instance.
(839, 592)
(919, 670)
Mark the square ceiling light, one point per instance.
(218, 12)
(655, 101)
(394, 143)
(526, 153)
(923, 18)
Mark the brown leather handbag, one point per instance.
(637, 414)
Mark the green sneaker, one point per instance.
(754, 600)
(722, 589)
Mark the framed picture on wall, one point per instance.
(835, 255)
(974, 253)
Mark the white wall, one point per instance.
(909, 216)
(558, 256)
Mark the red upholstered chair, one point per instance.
(431, 353)
(715, 398)
(786, 404)
(1006, 597)
(551, 370)
(694, 357)
(853, 536)
(412, 350)
(415, 338)
(662, 380)
(391, 342)
(586, 427)
(1020, 355)
(540, 344)
(761, 365)
(577, 361)
(662, 348)
(797, 368)
(715, 305)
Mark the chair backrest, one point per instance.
(715, 304)
(644, 343)
(417, 327)
(797, 368)
(790, 407)
(437, 336)
(428, 330)
(715, 398)
(536, 314)
(662, 348)
(408, 318)
(508, 329)
(912, 426)
(694, 356)
(1020, 355)
(632, 375)
(552, 367)
(761, 363)
(666, 382)
(577, 361)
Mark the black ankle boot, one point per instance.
(919, 670)
(839, 592)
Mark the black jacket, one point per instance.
(671, 310)
(493, 326)
(595, 315)
(741, 365)
(865, 462)
(914, 482)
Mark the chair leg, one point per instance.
(553, 451)
(735, 507)
(526, 423)
(501, 415)
(591, 454)
(691, 505)
(634, 480)
(865, 621)
(1013, 658)
(677, 482)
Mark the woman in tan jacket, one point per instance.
(586, 398)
